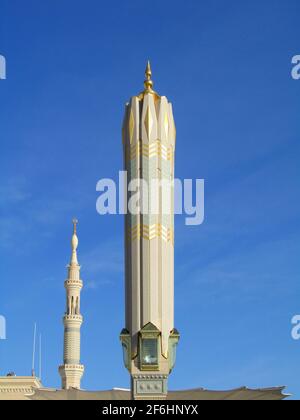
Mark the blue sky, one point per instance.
(226, 67)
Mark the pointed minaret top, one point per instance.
(74, 242)
(75, 223)
(148, 82)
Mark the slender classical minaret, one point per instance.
(72, 370)
(149, 339)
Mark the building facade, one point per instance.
(18, 387)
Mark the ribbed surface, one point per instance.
(149, 148)
(72, 347)
(74, 271)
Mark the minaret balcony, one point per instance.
(72, 367)
(73, 283)
(77, 319)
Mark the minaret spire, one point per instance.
(75, 222)
(148, 83)
(72, 370)
(74, 242)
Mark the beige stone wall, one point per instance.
(17, 387)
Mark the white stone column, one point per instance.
(149, 147)
(72, 370)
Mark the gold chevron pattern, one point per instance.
(151, 232)
(151, 150)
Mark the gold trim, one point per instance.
(148, 84)
(155, 149)
(166, 124)
(151, 232)
(131, 126)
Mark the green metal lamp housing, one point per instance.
(149, 344)
(173, 341)
(126, 346)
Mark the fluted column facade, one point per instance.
(149, 149)
(72, 370)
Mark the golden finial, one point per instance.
(75, 223)
(148, 82)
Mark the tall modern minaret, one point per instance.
(149, 339)
(72, 370)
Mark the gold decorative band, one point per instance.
(151, 150)
(151, 232)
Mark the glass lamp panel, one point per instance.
(149, 351)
